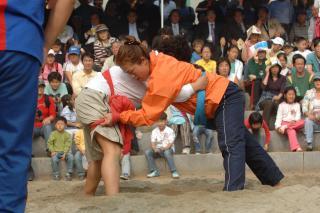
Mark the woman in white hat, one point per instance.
(253, 36)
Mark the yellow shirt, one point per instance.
(209, 66)
(80, 79)
(79, 140)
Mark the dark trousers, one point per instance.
(18, 101)
(238, 146)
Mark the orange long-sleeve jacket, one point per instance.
(167, 76)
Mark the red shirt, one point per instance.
(45, 111)
(264, 126)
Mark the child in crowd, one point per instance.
(179, 122)
(51, 66)
(80, 158)
(302, 47)
(58, 54)
(197, 46)
(288, 49)
(59, 145)
(289, 118)
(282, 59)
(254, 124)
(206, 62)
(69, 113)
(162, 145)
(74, 64)
(56, 89)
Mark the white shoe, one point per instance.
(186, 150)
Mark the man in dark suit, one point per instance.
(210, 31)
(133, 28)
(176, 27)
(237, 29)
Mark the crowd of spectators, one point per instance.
(263, 46)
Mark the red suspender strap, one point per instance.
(108, 78)
(3, 5)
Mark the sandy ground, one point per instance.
(299, 193)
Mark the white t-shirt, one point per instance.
(162, 138)
(71, 116)
(70, 67)
(304, 53)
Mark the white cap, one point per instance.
(253, 30)
(278, 40)
(51, 52)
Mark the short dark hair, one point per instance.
(61, 118)
(316, 41)
(255, 118)
(220, 61)
(163, 116)
(299, 39)
(88, 55)
(296, 57)
(282, 55)
(57, 42)
(54, 76)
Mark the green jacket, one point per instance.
(59, 142)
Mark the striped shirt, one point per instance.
(102, 51)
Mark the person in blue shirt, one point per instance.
(22, 43)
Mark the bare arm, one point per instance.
(59, 15)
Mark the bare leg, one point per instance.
(93, 178)
(110, 168)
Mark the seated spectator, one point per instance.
(59, 145)
(224, 69)
(80, 157)
(45, 114)
(206, 62)
(236, 65)
(302, 47)
(90, 34)
(110, 61)
(74, 64)
(277, 44)
(314, 57)
(289, 118)
(50, 66)
(255, 124)
(56, 89)
(312, 24)
(256, 73)
(134, 28)
(288, 49)
(69, 113)
(300, 27)
(269, 28)
(179, 122)
(197, 46)
(220, 50)
(273, 86)
(81, 78)
(58, 54)
(237, 29)
(209, 31)
(311, 109)
(253, 37)
(162, 145)
(199, 130)
(301, 80)
(283, 61)
(187, 15)
(102, 46)
(177, 28)
(283, 12)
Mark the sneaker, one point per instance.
(186, 151)
(309, 147)
(175, 175)
(155, 173)
(56, 177)
(68, 177)
(124, 176)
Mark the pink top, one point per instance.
(47, 69)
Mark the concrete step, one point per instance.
(197, 164)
